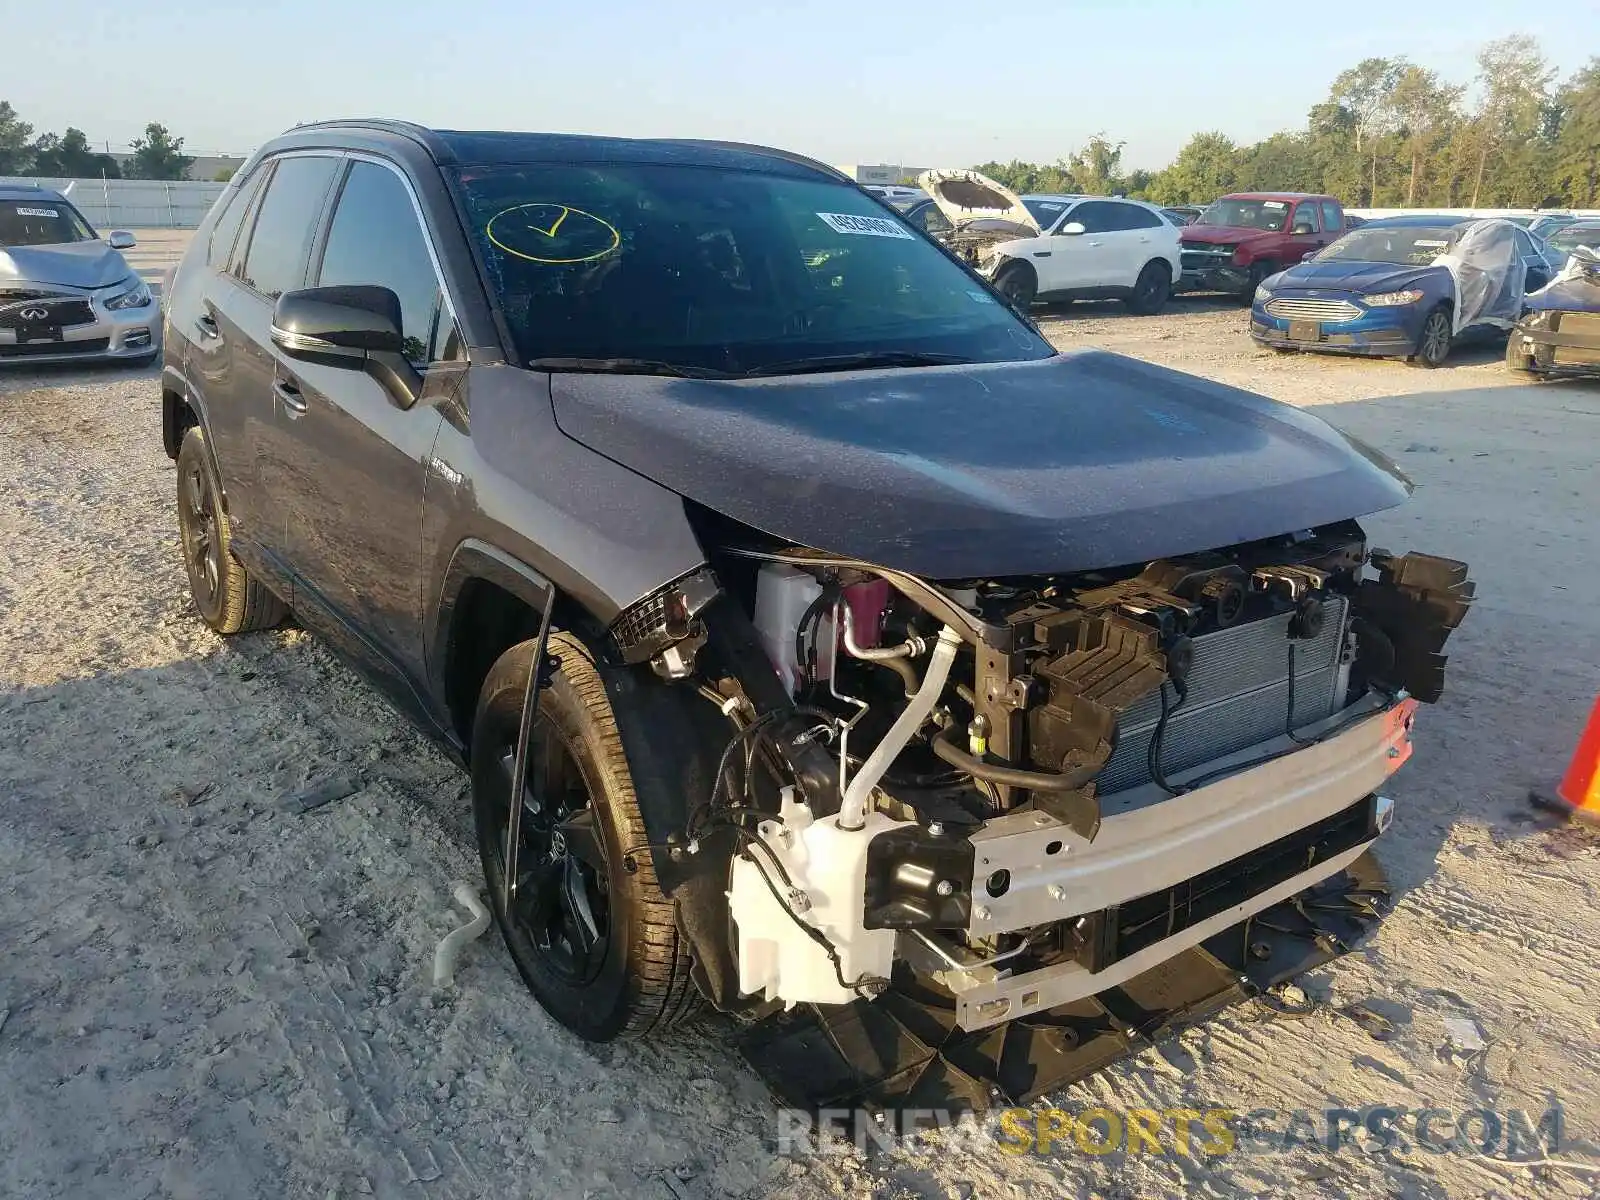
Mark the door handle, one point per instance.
(208, 326)
(289, 392)
(1042, 253)
(1097, 243)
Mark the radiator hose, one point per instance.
(1034, 781)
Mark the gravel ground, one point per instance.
(203, 996)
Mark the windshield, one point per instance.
(1569, 239)
(1410, 245)
(1246, 214)
(694, 269)
(41, 223)
(1046, 212)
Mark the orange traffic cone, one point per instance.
(1578, 796)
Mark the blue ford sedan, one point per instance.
(1379, 290)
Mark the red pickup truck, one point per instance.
(1241, 239)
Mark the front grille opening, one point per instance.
(43, 349)
(1114, 933)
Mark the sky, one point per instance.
(929, 83)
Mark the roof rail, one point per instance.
(755, 148)
(420, 134)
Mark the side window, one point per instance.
(1330, 217)
(1096, 216)
(377, 239)
(223, 233)
(285, 224)
(929, 219)
(1525, 245)
(252, 206)
(1142, 218)
(1305, 213)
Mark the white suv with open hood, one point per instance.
(1058, 247)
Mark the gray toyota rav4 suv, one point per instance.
(823, 646)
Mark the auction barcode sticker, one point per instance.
(868, 226)
(37, 212)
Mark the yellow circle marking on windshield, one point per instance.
(553, 234)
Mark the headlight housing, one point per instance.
(138, 296)
(1263, 294)
(1392, 299)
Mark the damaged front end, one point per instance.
(976, 837)
(984, 216)
(1559, 329)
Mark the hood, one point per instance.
(70, 264)
(1215, 235)
(1060, 464)
(1575, 289)
(1360, 277)
(968, 196)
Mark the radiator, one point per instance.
(1238, 697)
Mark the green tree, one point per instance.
(1366, 91)
(158, 155)
(1425, 108)
(16, 149)
(1281, 163)
(1096, 170)
(1577, 144)
(227, 173)
(70, 157)
(1515, 81)
(1206, 167)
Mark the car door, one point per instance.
(209, 345)
(1535, 260)
(271, 261)
(1148, 237)
(1093, 258)
(360, 459)
(1306, 235)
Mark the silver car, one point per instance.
(65, 295)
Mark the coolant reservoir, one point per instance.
(783, 594)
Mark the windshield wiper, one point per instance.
(864, 361)
(624, 366)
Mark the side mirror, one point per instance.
(357, 327)
(1308, 256)
(121, 239)
(1074, 229)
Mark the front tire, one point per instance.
(1151, 290)
(227, 597)
(1518, 359)
(1433, 344)
(595, 942)
(1018, 284)
(1259, 272)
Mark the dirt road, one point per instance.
(204, 996)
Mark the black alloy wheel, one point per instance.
(202, 538)
(560, 907)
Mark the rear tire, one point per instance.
(1433, 343)
(1151, 290)
(228, 599)
(1018, 284)
(597, 944)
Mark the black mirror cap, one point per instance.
(327, 320)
